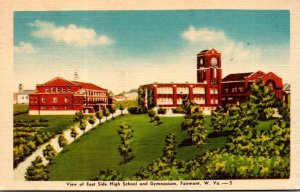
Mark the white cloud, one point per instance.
(24, 47)
(203, 35)
(71, 34)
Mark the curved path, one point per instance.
(20, 170)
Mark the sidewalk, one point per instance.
(19, 172)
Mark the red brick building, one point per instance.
(206, 92)
(211, 90)
(60, 96)
(236, 87)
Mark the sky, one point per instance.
(120, 50)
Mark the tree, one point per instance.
(194, 125)
(151, 114)
(126, 135)
(112, 110)
(169, 150)
(106, 113)
(99, 115)
(37, 171)
(263, 97)
(150, 99)
(121, 108)
(92, 120)
(49, 152)
(157, 119)
(218, 120)
(73, 133)
(242, 117)
(82, 125)
(78, 116)
(141, 96)
(62, 141)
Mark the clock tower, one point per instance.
(209, 72)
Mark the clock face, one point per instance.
(213, 61)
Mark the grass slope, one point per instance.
(57, 123)
(98, 149)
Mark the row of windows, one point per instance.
(54, 108)
(57, 90)
(91, 93)
(213, 90)
(235, 90)
(182, 90)
(198, 100)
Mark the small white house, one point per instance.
(22, 96)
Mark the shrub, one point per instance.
(137, 110)
(179, 110)
(161, 110)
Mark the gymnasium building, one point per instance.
(60, 96)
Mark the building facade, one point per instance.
(206, 92)
(236, 88)
(23, 96)
(60, 96)
(211, 90)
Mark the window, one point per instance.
(66, 107)
(212, 101)
(230, 98)
(66, 99)
(241, 89)
(226, 90)
(54, 99)
(57, 89)
(52, 89)
(63, 89)
(47, 90)
(43, 107)
(69, 89)
(43, 100)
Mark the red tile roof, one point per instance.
(236, 76)
(88, 85)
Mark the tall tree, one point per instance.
(82, 125)
(112, 110)
(106, 113)
(169, 150)
(92, 120)
(73, 133)
(263, 97)
(194, 124)
(121, 108)
(49, 152)
(62, 141)
(126, 135)
(99, 115)
(37, 171)
(218, 120)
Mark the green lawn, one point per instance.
(98, 149)
(126, 103)
(20, 107)
(57, 123)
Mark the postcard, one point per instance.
(171, 95)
